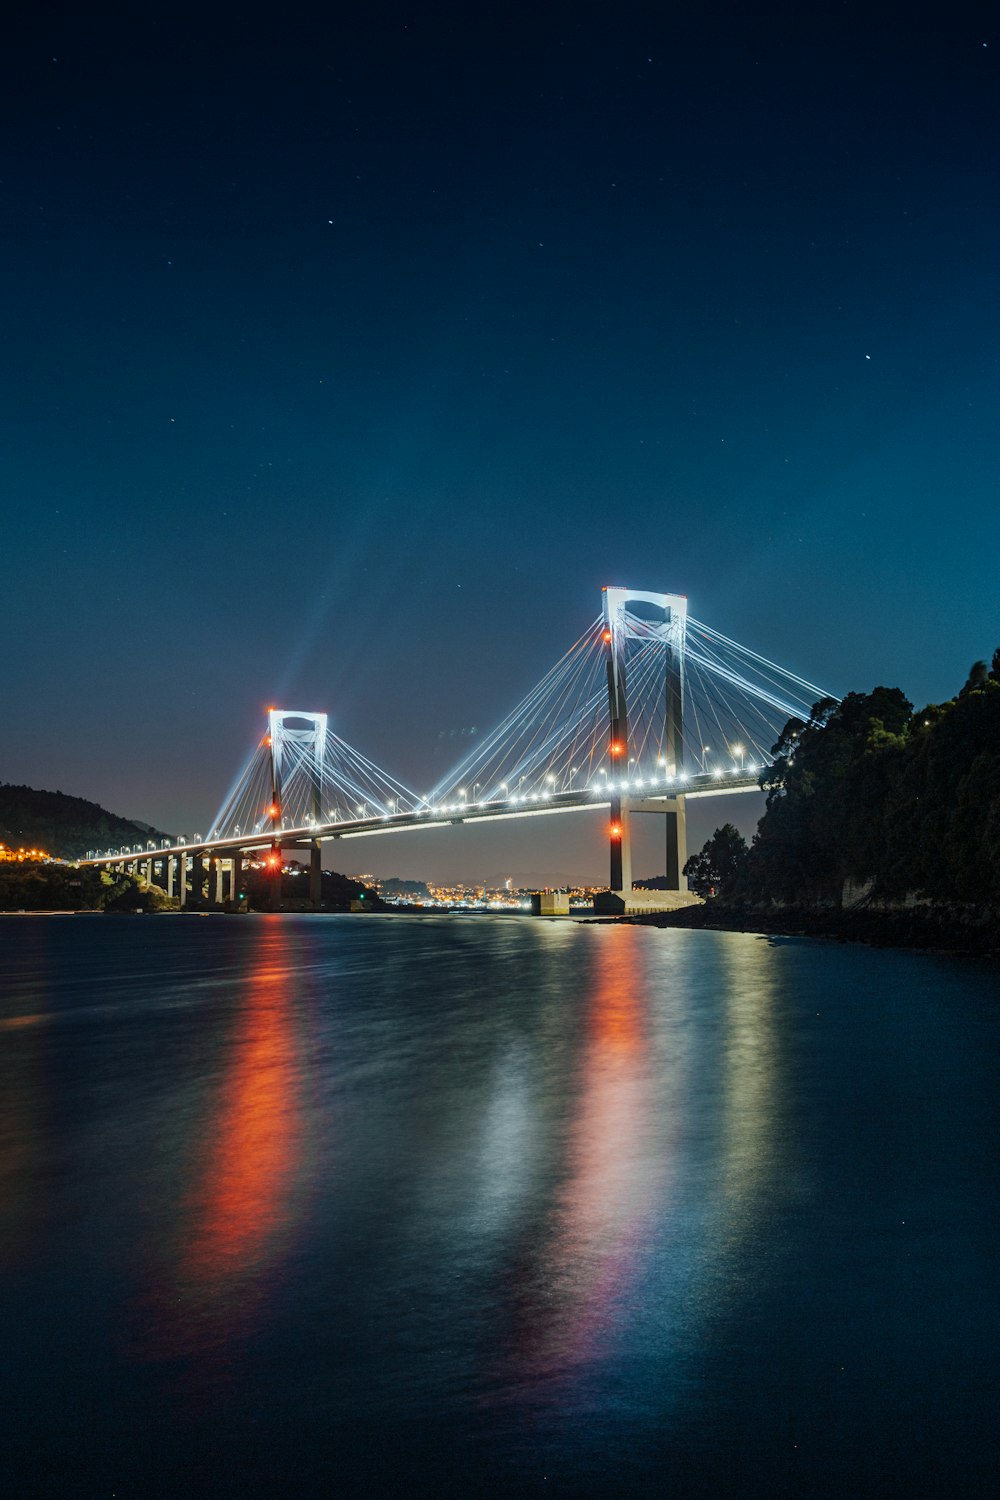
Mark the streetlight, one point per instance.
(505, 789)
(705, 750)
(739, 750)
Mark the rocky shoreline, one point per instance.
(956, 929)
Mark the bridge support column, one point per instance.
(235, 874)
(197, 879)
(169, 867)
(274, 892)
(315, 874)
(677, 847)
(182, 880)
(621, 844)
(624, 898)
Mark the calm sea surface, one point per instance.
(296, 1206)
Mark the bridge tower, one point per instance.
(632, 615)
(297, 739)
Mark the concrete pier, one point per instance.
(633, 903)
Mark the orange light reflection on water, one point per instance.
(237, 1217)
(614, 1174)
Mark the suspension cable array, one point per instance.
(332, 785)
(554, 742)
(556, 739)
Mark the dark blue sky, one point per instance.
(347, 352)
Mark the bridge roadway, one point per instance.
(648, 797)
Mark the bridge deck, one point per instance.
(709, 784)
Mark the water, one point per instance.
(296, 1206)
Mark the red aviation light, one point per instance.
(606, 635)
(273, 861)
(616, 747)
(273, 810)
(615, 830)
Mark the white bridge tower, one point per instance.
(631, 615)
(297, 740)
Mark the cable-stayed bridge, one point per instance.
(648, 708)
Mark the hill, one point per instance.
(64, 826)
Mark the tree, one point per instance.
(869, 791)
(827, 796)
(978, 677)
(719, 862)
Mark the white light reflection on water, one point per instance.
(665, 1163)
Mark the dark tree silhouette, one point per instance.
(717, 865)
(870, 791)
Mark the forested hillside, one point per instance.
(64, 826)
(871, 791)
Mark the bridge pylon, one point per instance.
(298, 737)
(633, 615)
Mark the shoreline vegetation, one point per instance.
(882, 825)
(34, 888)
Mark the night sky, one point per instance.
(347, 352)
